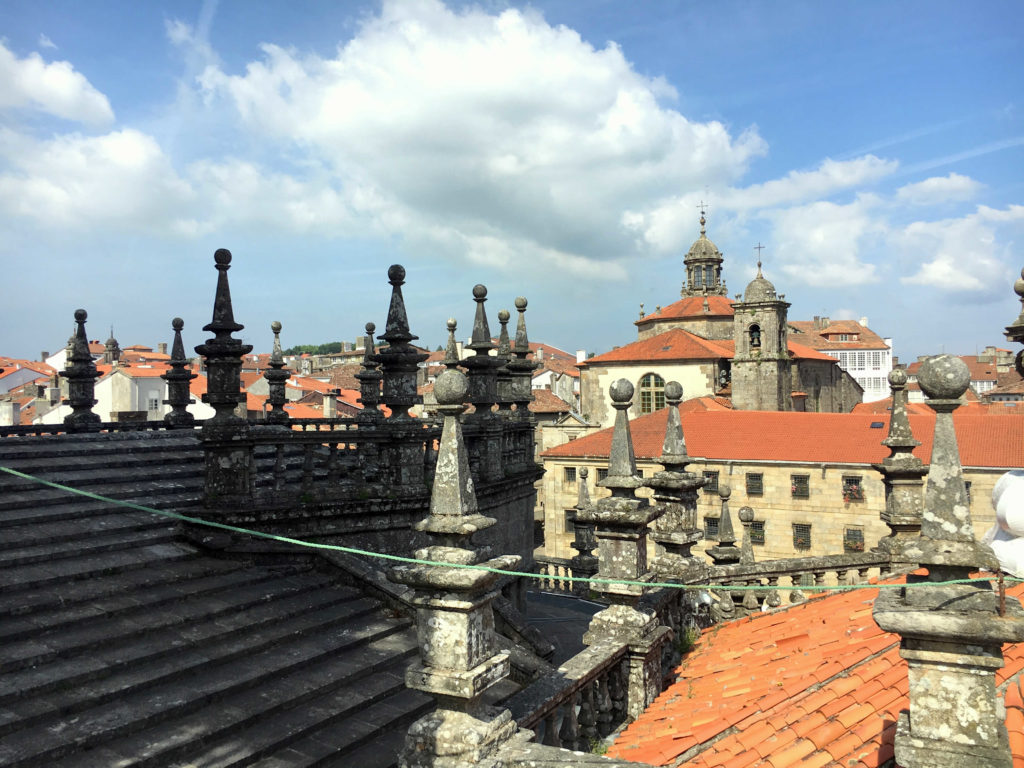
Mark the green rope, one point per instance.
(500, 571)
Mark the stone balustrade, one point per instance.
(553, 567)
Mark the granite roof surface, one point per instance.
(985, 439)
(814, 684)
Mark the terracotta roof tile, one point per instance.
(819, 338)
(985, 439)
(845, 717)
(674, 344)
(546, 401)
(692, 307)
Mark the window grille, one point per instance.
(755, 483)
(711, 486)
(602, 473)
(853, 540)
(570, 474)
(757, 532)
(710, 527)
(652, 393)
(852, 489)
(800, 486)
(570, 521)
(801, 536)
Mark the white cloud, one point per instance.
(54, 88)
(939, 189)
(668, 227)
(963, 255)
(80, 181)
(821, 243)
(496, 126)
(45, 42)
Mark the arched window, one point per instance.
(652, 393)
(755, 336)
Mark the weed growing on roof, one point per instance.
(598, 747)
(687, 640)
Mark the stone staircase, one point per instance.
(121, 645)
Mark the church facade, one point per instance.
(738, 349)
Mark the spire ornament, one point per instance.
(80, 373)
(276, 376)
(178, 377)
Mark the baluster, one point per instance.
(819, 578)
(587, 720)
(569, 733)
(604, 705)
(307, 467)
(551, 729)
(619, 691)
(843, 577)
(862, 575)
(279, 471)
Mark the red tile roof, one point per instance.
(827, 337)
(815, 684)
(546, 401)
(979, 371)
(691, 307)
(677, 344)
(985, 439)
(11, 364)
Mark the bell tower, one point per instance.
(760, 364)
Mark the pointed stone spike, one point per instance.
(451, 353)
(622, 460)
(369, 349)
(504, 347)
(675, 443)
(396, 330)
(726, 535)
(276, 355)
(223, 322)
(583, 493)
(177, 345)
(522, 340)
(481, 330)
(900, 439)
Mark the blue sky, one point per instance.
(556, 150)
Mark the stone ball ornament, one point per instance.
(370, 328)
(451, 387)
(81, 315)
(479, 291)
(396, 273)
(275, 326)
(222, 256)
(177, 324)
(520, 302)
(621, 391)
(1018, 285)
(898, 377)
(746, 515)
(452, 325)
(673, 391)
(724, 490)
(944, 377)
(503, 315)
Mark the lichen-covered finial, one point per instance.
(674, 447)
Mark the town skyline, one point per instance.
(544, 150)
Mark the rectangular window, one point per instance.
(876, 360)
(842, 360)
(711, 528)
(853, 540)
(639, 473)
(800, 486)
(602, 473)
(153, 404)
(861, 362)
(570, 474)
(757, 532)
(801, 536)
(967, 487)
(852, 489)
(570, 521)
(755, 483)
(711, 486)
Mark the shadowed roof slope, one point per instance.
(815, 684)
(692, 307)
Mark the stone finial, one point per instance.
(369, 378)
(481, 341)
(583, 563)
(726, 551)
(504, 347)
(276, 376)
(1015, 331)
(482, 366)
(451, 352)
(622, 460)
(902, 474)
(396, 331)
(948, 542)
(522, 340)
(459, 660)
(951, 633)
(223, 323)
(178, 377)
(746, 516)
(675, 493)
(80, 372)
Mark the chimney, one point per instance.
(161, 347)
(864, 322)
(331, 404)
(581, 355)
(817, 323)
(43, 355)
(825, 322)
(539, 355)
(9, 413)
(458, 350)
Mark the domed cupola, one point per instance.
(703, 266)
(759, 289)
